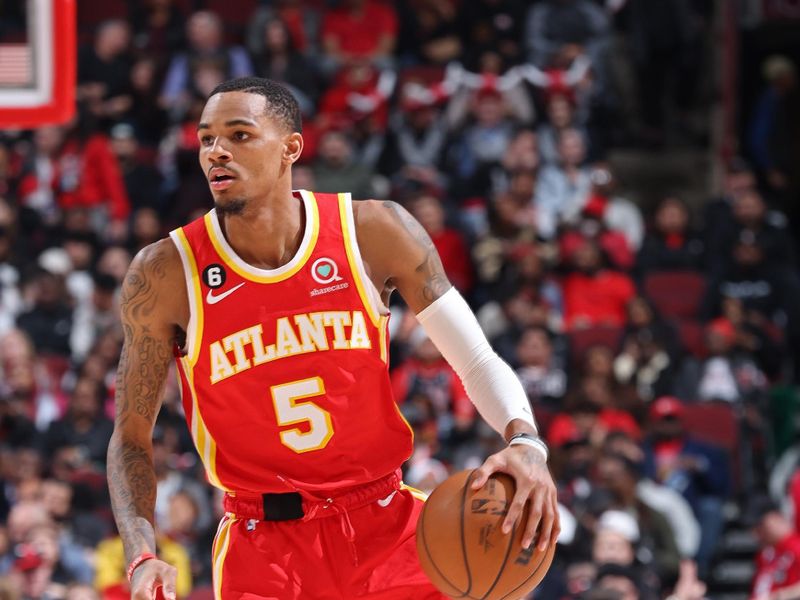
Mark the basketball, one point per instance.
(463, 549)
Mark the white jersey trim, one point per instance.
(300, 255)
(194, 309)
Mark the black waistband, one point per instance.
(283, 507)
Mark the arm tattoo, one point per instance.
(435, 282)
(132, 483)
(145, 359)
(141, 373)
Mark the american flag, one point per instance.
(16, 65)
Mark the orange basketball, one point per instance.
(463, 549)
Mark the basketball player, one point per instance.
(274, 306)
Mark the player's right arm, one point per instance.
(149, 305)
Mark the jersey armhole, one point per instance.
(192, 281)
(366, 289)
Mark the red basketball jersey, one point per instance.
(284, 380)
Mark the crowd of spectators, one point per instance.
(491, 121)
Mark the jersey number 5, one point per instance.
(290, 411)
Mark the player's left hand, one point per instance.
(533, 481)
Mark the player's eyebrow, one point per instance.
(231, 123)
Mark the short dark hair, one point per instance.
(631, 467)
(757, 508)
(281, 104)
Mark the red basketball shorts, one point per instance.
(359, 546)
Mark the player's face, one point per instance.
(242, 149)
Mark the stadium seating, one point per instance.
(93, 12)
(714, 423)
(692, 336)
(676, 294)
(580, 340)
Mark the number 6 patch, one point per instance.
(214, 276)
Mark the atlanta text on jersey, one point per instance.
(300, 334)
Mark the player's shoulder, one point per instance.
(158, 264)
(389, 238)
(159, 255)
(150, 285)
(378, 216)
(367, 208)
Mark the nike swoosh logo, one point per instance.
(212, 299)
(384, 502)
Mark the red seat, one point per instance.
(715, 423)
(423, 75)
(93, 12)
(580, 340)
(676, 294)
(693, 337)
(185, 7)
(235, 13)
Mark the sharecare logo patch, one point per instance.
(324, 271)
(330, 288)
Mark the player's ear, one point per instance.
(292, 148)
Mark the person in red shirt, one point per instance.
(696, 470)
(67, 172)
(593, 294)
(583, 419)
(428, 210)
(358, 31)
(335, 108)
(778, 563)
(427, 372)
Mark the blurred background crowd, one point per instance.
(633, 264)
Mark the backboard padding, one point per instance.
(47, 95)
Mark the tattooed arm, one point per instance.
(151, 311)
(399, 253)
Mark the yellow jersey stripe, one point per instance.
(414, 492)
(383, 338)
(206, 446)
(350, 244)
(403, 418)
(222, 543)
(194, 417)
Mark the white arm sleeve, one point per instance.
(490, 383)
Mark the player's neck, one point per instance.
(267, 234)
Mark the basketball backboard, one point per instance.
(38, 59)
